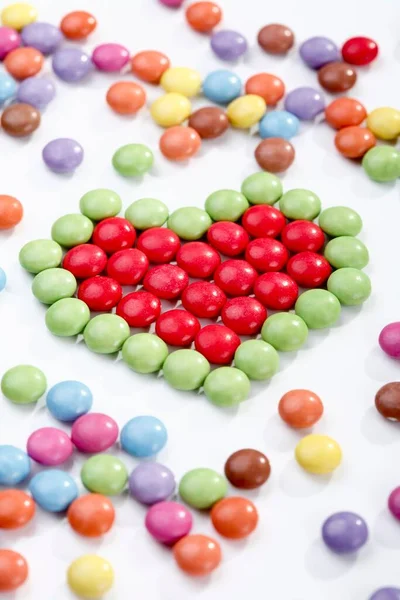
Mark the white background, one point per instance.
(285, 558)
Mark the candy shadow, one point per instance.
(279, 437)
(386, 530)
(321, 563)
(379, 366)
(286, 359)
(348, 314)
(378, 430)
(297, 483)
(315, 337)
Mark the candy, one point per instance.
(45, 37)
(217, 343)
(274, 155)
(319, 51)
(394, 503)
(126, 97)
(53, 490)
(228, 45)
(309, 269)
(110, 57)
(20, 120)
(168, 522)
(202, 488)
(151, 482)
(387, 399)
(100, 204)
(143, 436)
(85, 260)
(63, 155)
(189, 223)
(384, 123)
(166, 281)
(275, 38)
(94, 432)
(133, 160)
(8, 86)
(3, 279)
(170, 109)
(210, 122)
(300, 204)
(344, 532)
(354, 142)
(268, 86)
(300, 409)
(262, 188)
(127, 267)
(139, 309)
(247, 469)
(36, 91)
(203, 16)
(386, 593)
(203, 299)
(340, 220)
(234, 518)
(350, 286)
(344, 112)
(235, 277)
(305, 103)
(114, 234)
(146, 213)
(71, 230)
(244, 315)
(15, 465)
(16, 509)
(100, 293)
(149, 65)
(300, 236)
(68, 400)
(346, 251)
(39, 255)
(277, 291)
(11, 211)
(91, 515)
(179, 143)
(389, 339)
(90, 576)
(257, 359)
(23, 384)
(279, 124)
(177, 327)
(104, 474)
(71, 64)
(382, 163)
(197, 555)
(222, 86)
(159, 244)
(144, 352)
(228, 238)
(77, 25)
(359, 51)
(266, 254)
(67, 317)
(285, 332)
(226, 205)
(246, 111)
(318, 454)
(198, 259)
(337, 77)
(49, 446)
(185, 369)
(13, 570)
(9, 40)
(106, 334)
(172, 3)
(226, 386)
(181, 80)
(18, 15)
(318, 308)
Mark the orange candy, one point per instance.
(235, 517)
(23, 62)
(16, 509)
(13, 570)
(203, 16)
(268, 86)
(149, 65)
(197, 554)
(300, 408)
(91, 515)
(354, 142)
(78, 25)
(126, 97)
(344, 112)
(179, 143)
(11, 212)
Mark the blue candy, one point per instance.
(8, 87)
(15, 465)
(222, 86)
(143, 436)
(69, 400)
(3, 279)
(53, 490)
(279, 123)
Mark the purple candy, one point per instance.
(63, 155)
(71, 64)
(387, 593)
(394, 503)
(9, 40)
(172, 3)
(389, 339)
(110, 57)
(151, 482)
(228, 45)
(42, 36)
(305, 102)
(168, 522)
(319, 51)
(37, 91)
(344, 532)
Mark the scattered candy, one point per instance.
(300, 409)
(110, 57)
(389, 339)
(36, 91)
(104, 474)
(228, 45)
(69, 400)
(143, 436)
(268, 86)
(49, 446)
(359, 51)
(319, 51)
(94, 432)
(279, 124)
(9, 40)
(151, 482)
(318, 454)
(45, 37)
(91, 515)
(71, 64)
(247, 469)
(234, 518)
(384, 123)
(20, 120)
(305, 103)
(63, 155)
(126, 97)
(15, 465)
(168, 522)
(197, 555)
(274, 154)
(171, 109)
(149, 66)
(16, 509)
(53, 490)
(354, 142)
(381, 163)
(387, 593)
(345, 112)
(222, 86)
(387, 401)
(90, 576)
(77, 25)
(337, 77)
(275, 38)
(13, 570)
(11, 212)
(181, 80)
(133, 160)
(18, 15)
(23, 384)
(144, 353)
(344, 532)
(246, 111)
(8, 86)
(202, 488)
(186, 370)
(203, 16)
(180, 143)
(3, 279)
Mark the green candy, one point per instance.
(346, 251)
(189, 223)
(144, 352)
(300, 204)
(262, 188)
(226, 205)
(104, 474)
(67, 317)
(201, 488)
(53, 284)
(285, 332)
(72, 230)
(146, 213)
(318, 308)
(106, 334)
(100, 204)
(340, 220)
(257, 359)
(382, 163)
(38, 255)
(23, 384)
(186, 369)
(226, 386)
(350, 286)
(133, 160)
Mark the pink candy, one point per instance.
(9, 40)
(168, 522)
(394, 503)
(94, 432)
(49, 446)
(110, 57)
(172, 3)
(389, 339)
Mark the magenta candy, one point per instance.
(168, 522)
(49, 446)
(389, 339)
(110, 57)
(94, 432)
(172, 3)
(394, 503)
(9, 40)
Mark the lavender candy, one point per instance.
(387, 593)
(43, 36)
(344, 532)
(319, 51)
(228, 45)
(63, 155)
(151, 482)
(36, 91)
(71, 64)
(305, 102)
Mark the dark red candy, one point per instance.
(198, 259)
(244, 315)
(300, 236)
(235, 277)
(139, 309)
(262, 220)
(359, 51)
(203, 299)
(217, 343)
(267, 254)
(159, 244)
(85, 260)
(100, 293)
(128, 267)
(177, 327)
(166, 281)
(114, 234)
(228, 238)
(308, 269)
(276, 291)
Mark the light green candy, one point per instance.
(23, 384)
(133, 160)
(186, 369)
(226, 205)
(100, 204)
(201, 488)
(38, 255)
(189, 223)
(346, 251)
(72, 230)
(262, 188)
(67, 317)
(285, 332)
(104, 474)
(257, 359)
(106, 334)
(300, 204)
(350, 286)
(227, 386)
(318, 308)
(382, 163)
(53, 284)
(146, 213)
(144, 352)
(340, 220)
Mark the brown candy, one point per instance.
(275, 39)
(20, 120)
(274, 154)
(247, 469)
(337, 77)
(209, 122)
(387, 400)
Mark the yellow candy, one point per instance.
(18, 15)
(171, 109)
(181, 80)
(90, 576)
(384, 123)
(246, 111)
(318, 454)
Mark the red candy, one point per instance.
(235, 277)
(114, 234)
(128, 267)
(85, 260)
(244, 315)
(300, 236)
(139, 309)
(277, 291)
(217, 343)
(309, 269)
(198, 259)
(228, 238)
(262, 221)
(267, 254)
(359, 51)
(203, 299)
(166, 281)
(159, 244)
(177, 327)
(100, 293)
